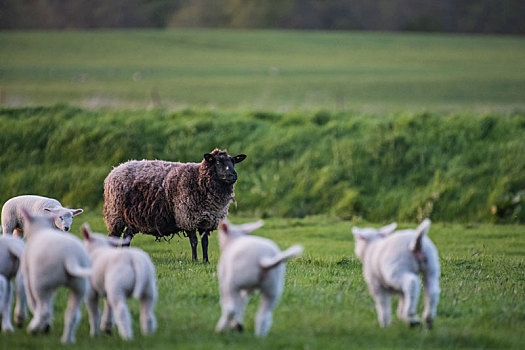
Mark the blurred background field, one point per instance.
(267, 70)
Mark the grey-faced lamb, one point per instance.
(248, 263)
(117, 275)
(53, 259)
(162, 198)
(392, 263)
(11, 249)
(13, 219)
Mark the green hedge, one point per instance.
(451, 167)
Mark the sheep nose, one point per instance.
(66, 228)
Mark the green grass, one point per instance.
(326, 302)
(269, 70)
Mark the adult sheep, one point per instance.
(162, 198)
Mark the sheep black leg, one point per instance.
(204, 243)
(193, 241)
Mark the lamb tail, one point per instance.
(271, 262)
(416, 245)
(74, 269)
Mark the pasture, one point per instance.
(326, 304)
(263, 70)
(340, 129)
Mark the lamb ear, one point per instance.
(388, 229)
(209, 157)
(86, 231)
(252, 226)
(27, 215)
(239, 158)
(75, 212)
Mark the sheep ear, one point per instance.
(239, 158)
(388, 229)
(252, 226)
(209, 157)
(49, 210)
(86, 231)
(76, 211)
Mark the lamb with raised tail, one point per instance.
(248, 263)
(392, 263)
(12, 217)
(53, 259)
(118, 274)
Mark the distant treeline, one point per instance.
(472, 16)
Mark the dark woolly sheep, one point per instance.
(162, 198)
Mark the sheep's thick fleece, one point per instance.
(163, 198)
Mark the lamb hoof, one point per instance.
(108, 331)
(414, 324)
(239, 327)
(47, 329)
(19, 323)
(430, 324)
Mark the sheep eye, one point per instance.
(61, 218)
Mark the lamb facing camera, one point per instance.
(392, 263)
(248, 263)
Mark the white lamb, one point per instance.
(248, 263)
(53, 259)
(391, 265)
(117, 275)
(12, 217)
(11, 249)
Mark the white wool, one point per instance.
(53, 259)
(392, 263)
(118, 274)
(13, 219)
(248, 263)
(11, 249)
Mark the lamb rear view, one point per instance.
(53, 259)
(391, 265)
(162, 198)
(249, 263)
(117, 274)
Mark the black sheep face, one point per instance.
(224, 165)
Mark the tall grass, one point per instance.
(450, 167)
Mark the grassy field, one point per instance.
(268, 70)
(326, 304)
(451, 167)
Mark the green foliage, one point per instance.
(326, 303)
(450, 167)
